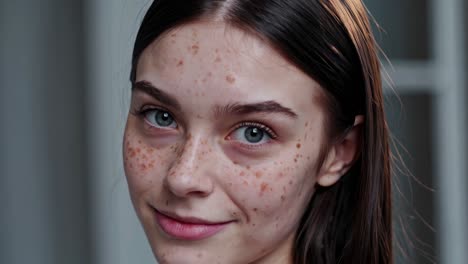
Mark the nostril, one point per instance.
(198, 193)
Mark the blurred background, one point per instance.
(64, 93)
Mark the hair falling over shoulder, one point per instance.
(332, 42)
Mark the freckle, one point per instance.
(295, 160)
(298, 145)
(216, 50)
(283, 198)
(180, 63)
(290, 182)
(139, 141)
(308, 157)
(209, 74)
(173, 35)
(258, 174)
(230, 79)
(230, 184)
(218, 59)
(195, 49)
(167, 202)
(306, 124)
(200, 255)
(255, 209)
(247, 167)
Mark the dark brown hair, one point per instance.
(332, 42)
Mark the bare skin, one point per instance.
(199, 160)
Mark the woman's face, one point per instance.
(221, 146)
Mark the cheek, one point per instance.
(142, 163)
(272, 199)
(274, 189)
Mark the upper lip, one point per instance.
(190, 219)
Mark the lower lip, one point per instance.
(187, 231)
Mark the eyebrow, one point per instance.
(230, 109)
(262, 107)
(163, 97)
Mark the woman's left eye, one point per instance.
(253, 134)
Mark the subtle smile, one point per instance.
(188, 228)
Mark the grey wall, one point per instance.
(111, 27)
(44, 208)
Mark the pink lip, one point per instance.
(188, 228)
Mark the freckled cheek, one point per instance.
(144, 165)
(263, 190)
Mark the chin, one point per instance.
(184, 255)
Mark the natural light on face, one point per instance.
(221, 146)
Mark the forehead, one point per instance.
(224, 63)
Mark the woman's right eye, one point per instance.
(159, 118)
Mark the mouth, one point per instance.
(188, 228)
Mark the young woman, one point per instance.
(257, 134)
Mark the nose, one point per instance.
(189, 174)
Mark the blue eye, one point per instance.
(254, 134)
(160, 118)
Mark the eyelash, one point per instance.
(265, 128)
(145, 109)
